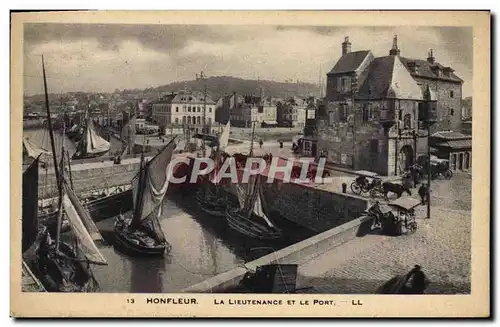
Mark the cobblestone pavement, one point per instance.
(441, 245)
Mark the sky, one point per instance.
(102, 58)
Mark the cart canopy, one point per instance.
(405, 203)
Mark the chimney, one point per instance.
(430, 57)
(395, 50)
(346, 46)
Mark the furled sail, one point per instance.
(30, 205)
(84, 215)
(32, 150)
(255, 203)
(95, 143)
(149, 190)
(74, 211)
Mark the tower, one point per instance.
(430, 57)
(346, 46)
(395, 50)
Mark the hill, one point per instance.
(220, 85)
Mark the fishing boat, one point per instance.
(252, 216)
(210, 196)
(101, 203)
(60, 266)
(142, 233)
(91, 144)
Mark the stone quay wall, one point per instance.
(315, 209)
(108, 175)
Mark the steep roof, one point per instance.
(425, 69)
(388, 78)
(349, 62)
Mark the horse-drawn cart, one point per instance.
(400, 218)
(365, 182)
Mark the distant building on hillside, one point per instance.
(184, 109)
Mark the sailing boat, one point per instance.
(32, 151)
(91, 145)
(209, 197)
(142, 234)
(252, 217)
(60, 266)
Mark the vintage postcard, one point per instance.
(250, 164)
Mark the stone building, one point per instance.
(248, 109)
(292, 112)
(184, 109)
(371, 116)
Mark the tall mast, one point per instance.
(203, 77)
(251, 141)
(49, 122)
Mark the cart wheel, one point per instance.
(448, 174)
(355, 188)
(412, 227)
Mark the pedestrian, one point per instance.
(423, 192)
(260, 143)
(281, 144)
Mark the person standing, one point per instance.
(423, 191)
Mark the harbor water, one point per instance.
(202, 246)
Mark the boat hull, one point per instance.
(246, 226)
(50, 276)
(215, 208)
(78, 156)
(127, 244)
(99, 209)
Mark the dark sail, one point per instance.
(30, 205)
(149, 190)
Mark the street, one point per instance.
(441, 246)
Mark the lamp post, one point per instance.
(430, 119)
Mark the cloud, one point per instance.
(105, 57)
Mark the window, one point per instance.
(451, 94)
(339, 84)
(183, 119)
(342, 113)
(307, 146)
(452, 112)
(209, 120)
(366, 112)
(209, 109)
(189, 119)
(176, 121)
(198, 120)
(189, 109)
(176, 109)
(331, 117)
(407, 121)
(199, 109)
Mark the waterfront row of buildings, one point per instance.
(204, 114)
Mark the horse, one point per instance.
(398, 189)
